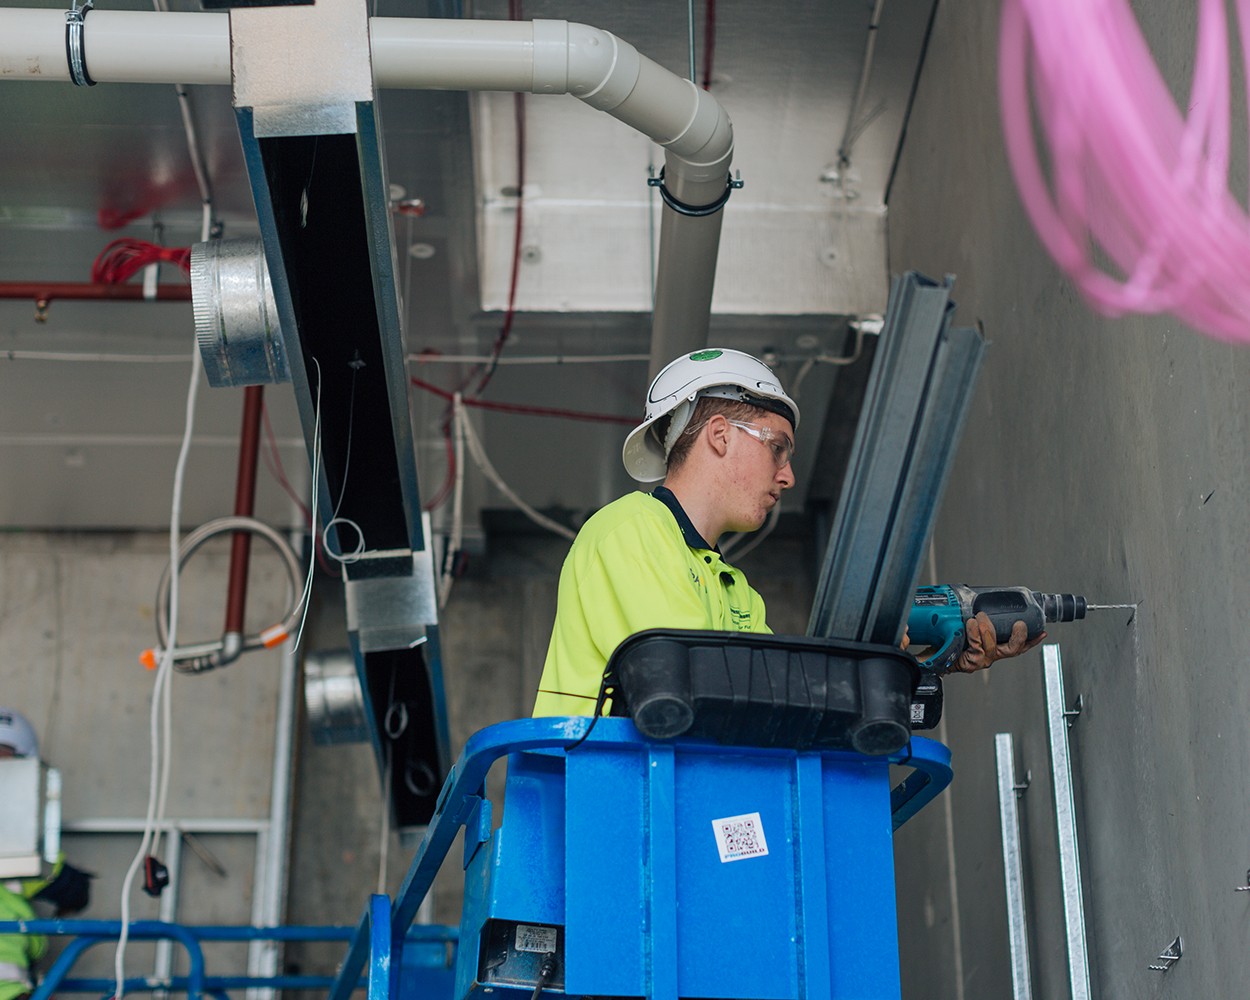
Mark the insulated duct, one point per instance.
(540, 57)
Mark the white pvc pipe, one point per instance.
(540, 57)
(122, 46)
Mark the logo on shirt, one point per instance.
(696, 581)
(741, 619)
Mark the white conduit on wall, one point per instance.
(540, 57)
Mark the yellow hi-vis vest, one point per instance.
(17, 951)
(638, 563)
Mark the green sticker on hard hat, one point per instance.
(705, 355)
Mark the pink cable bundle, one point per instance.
(1135, 206)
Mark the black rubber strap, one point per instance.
(694, 211)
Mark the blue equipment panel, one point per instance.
(688, 869)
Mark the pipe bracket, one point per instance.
(75, 43)
(694, 211)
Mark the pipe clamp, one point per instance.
(694, 211)
(75, 48)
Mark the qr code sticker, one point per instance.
(739, 837)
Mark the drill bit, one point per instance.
(1108, 607)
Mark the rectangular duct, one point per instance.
(304, 103)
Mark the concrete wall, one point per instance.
(75, 612)
(1105, 457)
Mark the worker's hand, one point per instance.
(982, 647)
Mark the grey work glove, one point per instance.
(983, 647)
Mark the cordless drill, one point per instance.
(938, 615)
(937, 620)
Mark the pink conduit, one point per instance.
(1135, 206)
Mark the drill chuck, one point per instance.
(1061, 607)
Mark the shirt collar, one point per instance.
(688, 531)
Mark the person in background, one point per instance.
(66, 888)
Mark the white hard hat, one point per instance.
(713, 372)
(18, 733)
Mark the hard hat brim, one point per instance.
(641, 454)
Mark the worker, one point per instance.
(67, 888)
(719, 431)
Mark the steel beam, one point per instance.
(917, 397)
(1065, 824)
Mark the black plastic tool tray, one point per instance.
(756, 690)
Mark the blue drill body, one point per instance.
(938, 615)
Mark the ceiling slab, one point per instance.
(803, 248)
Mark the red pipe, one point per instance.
(47, 291)
(244, 504)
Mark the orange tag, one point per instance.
(275, 635)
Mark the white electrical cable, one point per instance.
(837, 361)
(344, 558)
(161, 745)
(305, 598)
(457, 505)
(158, 775)
(483, 463)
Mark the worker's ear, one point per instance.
(717, 431)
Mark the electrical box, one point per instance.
(30, 822)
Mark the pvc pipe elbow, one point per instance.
(611, 75)
(602, 69)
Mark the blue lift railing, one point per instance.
(380, 937)
(197, 982)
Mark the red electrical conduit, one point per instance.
(48, 291)
(709, 42)
(244, 504)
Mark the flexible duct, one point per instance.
(541, 57)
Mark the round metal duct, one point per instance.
(336, 708)
(236, 321)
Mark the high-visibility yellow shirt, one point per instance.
(638, 563)
(17, 951)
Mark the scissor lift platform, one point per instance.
(640, 868)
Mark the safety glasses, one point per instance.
(778, 443)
